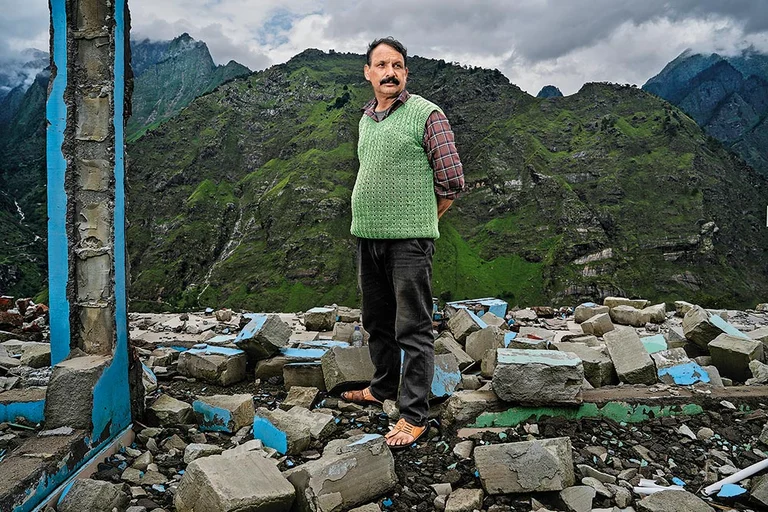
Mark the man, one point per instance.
(409, 175)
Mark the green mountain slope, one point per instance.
(243, 198)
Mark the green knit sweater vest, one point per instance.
(394, 195)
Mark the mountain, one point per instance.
(549, 91)
(727, 96)
(168, 75)
(184, 70)
(243, 198)
(21, 70)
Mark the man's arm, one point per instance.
(441, 151)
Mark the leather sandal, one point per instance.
(360, 397)
(406, 428)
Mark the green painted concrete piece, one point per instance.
(655, 343)
(526, 356)
(617, 411)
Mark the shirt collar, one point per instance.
(370, 107)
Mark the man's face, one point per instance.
(387, 72)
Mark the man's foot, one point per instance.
(403, 435)
(361, 397)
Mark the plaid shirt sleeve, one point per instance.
(443, 158)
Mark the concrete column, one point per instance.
(86, 202)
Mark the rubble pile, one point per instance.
(243, 413)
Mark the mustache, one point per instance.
(390, 80)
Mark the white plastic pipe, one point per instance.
(737, 477)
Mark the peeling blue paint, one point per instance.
(496, 306)
(223, 351)
(215, 419)
(327, 344)
(508, 337)
(58, 243)
(655, 343)
(365, 439)
(253, 327)
(311, 354)
(685, 374)
(269, 434)
(727, 328)
(731, 491)
(446, 377)
(30, 411)
(546, 357)
(221, 339)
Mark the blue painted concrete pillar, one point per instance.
(86, 200)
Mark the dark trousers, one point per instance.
(395, 278)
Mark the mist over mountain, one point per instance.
(19, 71)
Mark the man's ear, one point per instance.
(366, 72)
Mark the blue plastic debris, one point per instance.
(159, 488)
(387, 502)
(208, 311)
(289, 463)
(731, 491)
(477, 474)
(677, 481)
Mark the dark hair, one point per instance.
(389, 41)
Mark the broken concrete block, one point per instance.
(279, 430)
(524, 315)
(527, 342)
(760, 335)
(492, 320)
(446, 344)
(666, 501)
(529, 466)
(612, 302)
(223, 413)
(69, 396)
(263, 336)
(656, 314)
(271, 367)
(36, 355)
(598, 368)
(94, 496)
(655, 343)
(759, 373)
(682, 307)
(169, 411)
(217, 365)
(674, 367)
(351, 472)
(627, 315)
(537, 333)
(482, 306)
(321, 425)
(732, 355)
(675, 337)
(223, 315)
(578, 498)
(464, 406)
(538, 376)
(320, 319)
(304, 375)
(598, 325)
(196, 451)
(698, 328)
(464, 323)
(587, 310)
(465, 500)
(348, 315)
(232, 483)
(346, 368)
(163, 356)
(632, 362)
(446, 377)
(585, 339)
(483, 340)
(6, 361)
(300, 396)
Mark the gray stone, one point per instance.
(669, 358)
(538, 376)
(759, 373)
(529, 466)
(682, 307)
(6, 361)
(494, 321)
(162, 356)
(760, 334)
(263, 336)
(537, 332)
(369, 507)
(348, 315)
(679, 501)
(612, 302)
(524, 315)
(446, 344)
(656, 314)
(308, 375)
(132, 475)
(281, 430)
(759, 490)
(732, 355)
(598, 325)
(465, 500)
(270, 367)
(598, 475)
(143, 460)
(598, 486)
(196, 451)
(464, 323)
(224, 413)
(346, 367)
(167, 410)
(351, 472)
(630, 359)
(444, 489)
(698, 328)
(321, 425)
(621, 496)
(463, 449)
(464, 406)
(300, 396)
(762, 307)
(93, 496)
(578, 498)
(598, 368)
(320, 319)
(69, 396)
(217, 365)
(584, 312)
(232, 483)
(627, 315)
(471, 382)
(675, 337)
(585, 339)
(36, 355)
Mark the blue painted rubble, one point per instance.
(222, 351)
(685, 374)
(214, 419)
(253, 327)
(30, 411)
(727, 328)
(655, 343)
(447, 376)
(310, 354)
(496, 306)
(221, 339)
(508, 337)
(545, 357)
(326, 344)
(365, 439)
(269, 434)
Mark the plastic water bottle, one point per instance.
(357, 337)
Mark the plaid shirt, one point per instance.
(439, 145)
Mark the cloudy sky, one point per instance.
(533, 42)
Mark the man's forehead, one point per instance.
(386, 52)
